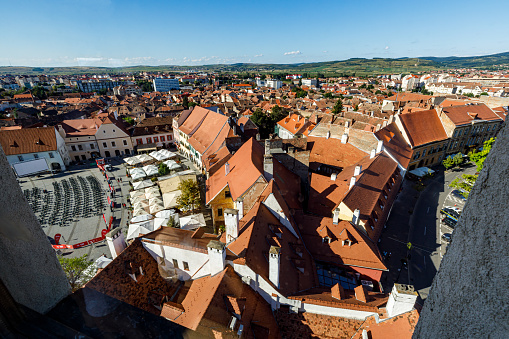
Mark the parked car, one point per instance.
(449, 222)
(454, 208)
(447, 237)
(450, 212)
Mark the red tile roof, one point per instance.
(423, 127)
(332, 152)
(401, 327)
(28, 140)
(214, 128)
(461, 115)
(395, 144)
(194, 120)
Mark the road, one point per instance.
(415, 219)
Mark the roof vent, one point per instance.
(333, 176)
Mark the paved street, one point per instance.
(415, 218)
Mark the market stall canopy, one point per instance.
(142, 184)
(143, 157)
(150, 170)
(170, 199)
(139, 211)
(132, 161)
(156, 207)
(141, 218)
(135, 194)
(192, 222)
(158, 155)
(422, 171)
(137, 173)
(135, 230)
(172, 164)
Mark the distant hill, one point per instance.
(357, 66)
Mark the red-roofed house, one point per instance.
(293, 125)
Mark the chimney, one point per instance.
(291, 149)
(268, 166)
(257, 136)
(328, 135)
(356, 217)
(226, 169)
(347, 124)
(344, 138)
(358, 170)
(402, 299)
(333, 176)
(235, 130)
(338, 292)
(116, 242)
(267, 146)
(274, 264)
(372, 154)
(352, 182)
(335, 216)
(217, 256)
(380, 146)
(239, 206)
(231, 222)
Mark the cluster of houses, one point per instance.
(298, 215)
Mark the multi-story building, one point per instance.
(104, 136)
(409, 82)
(469, 126)
(157, 131)
(93, 85)
(310, 82)
(25, 144)
(127, 90)
(165, 84)
(272, 83)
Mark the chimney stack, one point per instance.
(352, 182)
(257, 136)
(335, 217)
(217, 256)
(380, 146)
(231, 222)
(328, 135)
(226, 169)
(358, 170)
(267, 146)
(344, 138)
(356, 217)
(402, 299)
(116, 242)
(274, 264)
(268, 166)
(333, 176)
(372, 154)
(338, 292)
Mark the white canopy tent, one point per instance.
(140, 204)
(167, 153)
(135, 230)
(132, 161)
(166, 215)
(135, 194)
(170, 199)
(156, 207)
(172, 165)
(422, 171)
(139, 211)
(143, 157)
(150, 170)
(137, 173)
(141, 218)
(158, 155)
(192, 222)
(143, 184)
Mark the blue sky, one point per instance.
(195, 32)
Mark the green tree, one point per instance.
(338, 107)
(190, 196)
(453, 161)
(480, 157)
(464, 184)
(448, 162)
(163, 169)
(77, 270)
(458, 159)
(328, 95)
(172, 222)
(185, 102)
(262, 120)
(128, 120)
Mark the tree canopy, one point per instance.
(190, 197)
(480, 157)
(338, 107)
(454, 161)
(267, 122)
(77, 270)
(163, 169)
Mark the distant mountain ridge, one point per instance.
(358, 66)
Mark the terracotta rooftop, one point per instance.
(401, 326)
(214, 127)
(180, 238)
(193, 120)
(28, 140)
(395, 144)
(461, 115)
(423, 127)
(332, 152)
(81, 127)
(361, 251)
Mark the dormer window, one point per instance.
(326, 239)
(347, 242)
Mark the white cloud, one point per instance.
(293, 53)
(325, 51)
(258, 55)
(386, 47)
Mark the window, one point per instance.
(113, 131)
(80, 147)
(186, 266)
(162, 137)
(219, 212)
(139, 141)
(170, 138)
(424, 153)
(149, 140)
(227, 194)
(125, 142)
(488, 128)
(20, 158)
(51, 155)
(416, 156)
(156, 139)
(175, 263)
(105, 145)
(113, 144)
(92, 146)
(73, 148)
(36, 156)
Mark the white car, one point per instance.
(454, 208)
